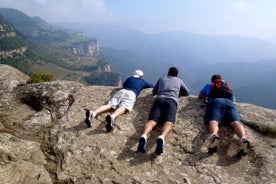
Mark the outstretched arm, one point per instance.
(204, 93)
(184, 91)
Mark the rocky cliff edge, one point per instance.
(44, 139)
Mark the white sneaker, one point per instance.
(244, 144)
(89, 117)
(213, 143)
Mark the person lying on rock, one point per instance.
(163, 111)
(122, 101)
(221, 110)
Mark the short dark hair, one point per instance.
(173, 72)
(216, 77)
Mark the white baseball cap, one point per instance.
(138, 73)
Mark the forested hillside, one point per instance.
(66, 54)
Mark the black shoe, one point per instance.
(243, 147)
(109, 124)
(88, 119)
(142, 145)
(159, 146)
(213, 144)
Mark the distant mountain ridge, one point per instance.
(36, 29)
(200, 48)
(248, 63)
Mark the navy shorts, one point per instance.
(221, 110)
(163, 109)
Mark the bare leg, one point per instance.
(101, 109)
(143, 140)
(213, 127)
(213, 140)
(118, 112)
(238, 129)
(149, 126)
(167, 128)
(244, 143)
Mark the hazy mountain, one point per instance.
(246, 62)
(271, 40)
(36, 29)
(206, 49)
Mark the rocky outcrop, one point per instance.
(13, 52)
(6, 30)
(86, 48)
(44, 139)
(106, 68)
(11, 48)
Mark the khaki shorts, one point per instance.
(123, 98)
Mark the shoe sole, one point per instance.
(159, 147)
(87, 121)
(108, 126)
(244, 148)
(141, 147)
(213, 147)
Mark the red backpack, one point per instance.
(220, 89)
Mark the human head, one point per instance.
(173, 72)
(138, 74)
(215, 77)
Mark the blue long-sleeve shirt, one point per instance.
(136, 85)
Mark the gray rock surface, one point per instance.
(44, 139)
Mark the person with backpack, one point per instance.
(163, 111)
(122, 101)
(221, 110)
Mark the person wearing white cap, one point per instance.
(138, 74)
(122, 101)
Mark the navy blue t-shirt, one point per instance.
(136, 85)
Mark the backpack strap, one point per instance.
(228, 86)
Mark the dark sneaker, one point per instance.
(142, 145)
(109, 124)
(89, 118)
(243, 147)
(159, 146)
(213, 143)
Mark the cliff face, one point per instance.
(85, 48)
(11, 53)
(10, 45)
(44, 139)
(6, 31)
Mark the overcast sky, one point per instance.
(235, 17)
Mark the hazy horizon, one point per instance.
(251, 18)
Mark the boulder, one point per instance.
(44, 139)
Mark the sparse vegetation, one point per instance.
(263, 129)
(41, 77)
(110, 79)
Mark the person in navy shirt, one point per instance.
(221, 110)
(122, 101)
